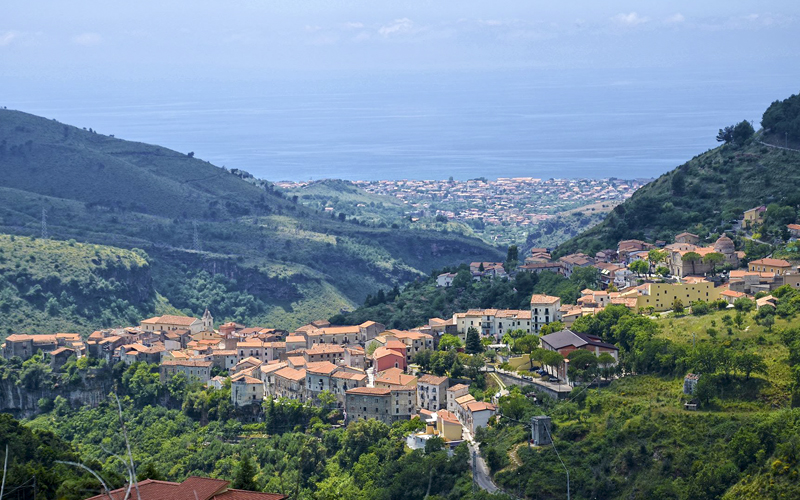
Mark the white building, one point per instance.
(544, 310)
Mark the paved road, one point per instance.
(482, 476)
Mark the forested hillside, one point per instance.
(212, 235)
(65, 286)
(712, 189)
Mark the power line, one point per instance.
(44, 224)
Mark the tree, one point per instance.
(742, 132)
(448, 342)
(714, 259)
(692, 258)
(244, 474)
(750, 363)
(555, 326)
(725, 134)
(743, 304)
(513, 254)
(582, 364)
(655, 256)
(607, 362)
(473, 345)
(552, 359)
(663, 271)
(639, 267)
(677, 306)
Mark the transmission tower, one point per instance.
(44, 224)
(196, 237)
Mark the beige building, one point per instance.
(289, 383)
(191, 368)
(545, 309)
(386, 405)
(318, 380)
(453, 393)
(168, 323)
(343, 380)
(754, 217)
(26, 346)
(492, 322)
(661, 296)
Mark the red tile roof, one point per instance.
(193, 488)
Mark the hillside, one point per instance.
(703, 194)
(712, 189)
(66, 286)
(212, 235)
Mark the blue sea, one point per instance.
(629, 123)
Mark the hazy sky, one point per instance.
(255, 39)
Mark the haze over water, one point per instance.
(427, 125)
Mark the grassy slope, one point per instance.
(50, 285)
(277, 254)
(719, 185)
(633, 439)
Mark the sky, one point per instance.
(87, 40)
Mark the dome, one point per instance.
(724, 245)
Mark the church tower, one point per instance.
(208, 321)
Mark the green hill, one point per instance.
(214, 237)
(709, 191)
(66, 286)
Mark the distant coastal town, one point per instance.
(503, 211)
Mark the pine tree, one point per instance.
(474, 345)
(244, 474)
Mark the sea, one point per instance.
(542, 123)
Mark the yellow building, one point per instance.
(754, 216)
(776, 266)
(661, 296)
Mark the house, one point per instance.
(690, 383)
(566, 341)
(246, 390)
(478, 414)
(625, 247)
(769, 265)
(193, 487)
(169, 323)
(318, 379)
(538, 267)
(607, 256)
(393, 378)
(443, 424)
(545, 309)
(103, 344)
(754, 217)
(767, 300)
(415, 342)
(224, 359)
(730, 296)
(574, 261)
(661, 296)
(487, 269)
(289, 383)
(492, 322)
(687, 238)
(25, 346)
(432, 392)
(343, 380)
(266, 373)
(251, 348)
(294, 342)
(794, 230)
(752, 282)
(384, 358)
(461, 406)
(380, 403)
(324, 352)
(246, 364)
(191, 368)
(445, 280)
(60, 356)
(355, 356)
(132, 353)
(453, 393)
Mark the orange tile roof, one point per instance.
(432, 379)
(771, 262)
(321, 367)
(291, 374)
(544, 299)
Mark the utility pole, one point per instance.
(5, 467)
(44, 224)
